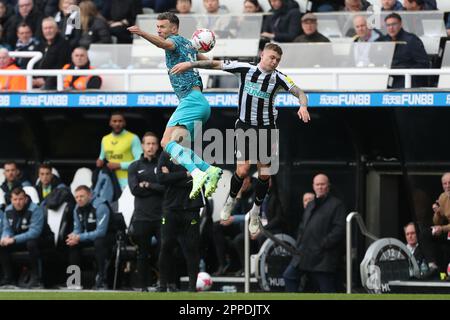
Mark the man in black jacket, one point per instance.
(409, 52)
(24, 229)
(47, 182)
(56, 53)
(181, 221)
(283, 24)
(321, 234)
(148, 196)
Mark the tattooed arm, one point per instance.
(202, 64)
(302, 113)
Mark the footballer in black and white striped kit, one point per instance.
(256, 124)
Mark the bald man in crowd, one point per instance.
(321, 235)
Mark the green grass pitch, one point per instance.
(117, 295)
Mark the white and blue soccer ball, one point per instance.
(203, 40)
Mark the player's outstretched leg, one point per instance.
(260, 193)
(236, 182)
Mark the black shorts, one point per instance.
(255, 143)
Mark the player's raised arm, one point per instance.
(154, 39)
(202, 64)
(302, 113)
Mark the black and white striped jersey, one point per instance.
(257, 91)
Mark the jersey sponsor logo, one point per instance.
(254, 89)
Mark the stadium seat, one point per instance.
(32, 193)
(83, 176)
(444, 80)
(443, 5)
(220, 196)
(55, 222)
(126, 205)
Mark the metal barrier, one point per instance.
(126, 73)
(35, 57)
(348, 250)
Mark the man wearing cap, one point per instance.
(310, 33)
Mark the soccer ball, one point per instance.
(204, 281)
(203, 40)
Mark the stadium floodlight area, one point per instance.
(237, 35)
(376, 55)
(427, 25)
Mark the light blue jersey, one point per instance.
(184, 51)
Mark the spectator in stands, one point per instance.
(47, 182)
(6, 12)
(233, 227)
(159, 5)
(148, 197)
(410, 55)
(418, 5)
(183, 7)
(92, 227)
(120, 15)
(26, 13)
(13, 179)
(180, 223)
(119, 149)
(24, 229)
(56, 53)
(66, 18)
(356, 5)
(94, 28)
(310, 33)
(214, 7)
(307, 198)
(252, 6)
(363, 32)
(441, 215)
(325, 5)
(25, 42)
(80, 60)
(428, 269)
(10, 82)
(321, 233)
(283, 24)
(3, 43)
(391, 5)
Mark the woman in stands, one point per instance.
(94, 28)
(252, 6)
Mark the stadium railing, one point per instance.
(348, 249)
(35, 57)
(334, 73)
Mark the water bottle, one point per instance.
(229, 289)
(202, 265)
(423, 268)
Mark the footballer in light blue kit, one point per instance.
(192, 107)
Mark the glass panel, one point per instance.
(337, 55)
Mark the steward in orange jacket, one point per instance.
(10, 83)
(80, 60)
(81, 82)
